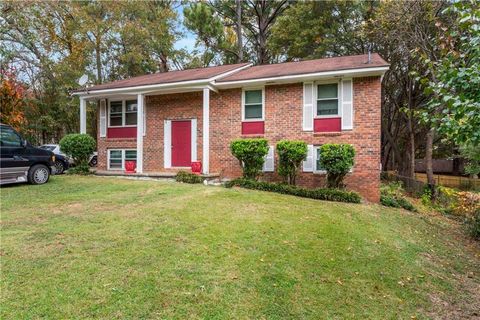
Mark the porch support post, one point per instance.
(83, 115)
(206, 131)
(140, 110)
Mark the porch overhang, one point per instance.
(139, 93)
(131, 92)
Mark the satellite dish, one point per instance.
(83, 80)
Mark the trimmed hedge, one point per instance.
(337, 160)
(290, 157)
(251, 155)
(319, 194)
(187, 177)
(80, 147)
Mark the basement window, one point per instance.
(117, 158)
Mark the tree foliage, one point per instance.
(454, 77)
(12, 100)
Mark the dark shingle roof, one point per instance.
(248, 73)
(169, 77)
(305, 67)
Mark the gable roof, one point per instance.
(170, 77)
(227, 76)
(306, 67)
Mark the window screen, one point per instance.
(327, 99)
(253, 104)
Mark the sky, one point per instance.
(188, 40)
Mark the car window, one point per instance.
(9, 138)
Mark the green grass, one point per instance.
(93, 247)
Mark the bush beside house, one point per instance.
(290, 157)
(319, 194)
(337, 160)
(80, 147)
(250, 153)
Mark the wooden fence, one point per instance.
(451, 181)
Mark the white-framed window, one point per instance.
(122, 113)
(327, 100)
(317, 168)
(117, 158)
(253, 104)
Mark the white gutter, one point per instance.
(153, 87)
(305, 77)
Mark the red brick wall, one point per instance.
(283, 120)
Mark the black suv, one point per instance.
(20, 161)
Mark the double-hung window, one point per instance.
(116, 114)
(122, 113)
(253, 102)
(327, 100)
(117, 158)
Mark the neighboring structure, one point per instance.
(165, 121)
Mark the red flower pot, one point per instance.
(130, 166)
(196, 167)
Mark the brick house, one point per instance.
(165, 121)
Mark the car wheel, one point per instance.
(93, 162)
(38, 174)
(59, 167)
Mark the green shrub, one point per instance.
(250, 153)
(80, 169)
(389, 201)
(187, 177)
(473, 224)
(80, 147)
(319, 194)
(392, 195)
(337, 160)
(290, 155)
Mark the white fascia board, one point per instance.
(200, 84)
(351, 73)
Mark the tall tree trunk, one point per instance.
(428, 157)
(429, 164)
(163, 64)
(239, 30)
(98, 58)
(411, 154)
(411, 132)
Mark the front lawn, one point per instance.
(96, 247)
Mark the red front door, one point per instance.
(181, 143)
